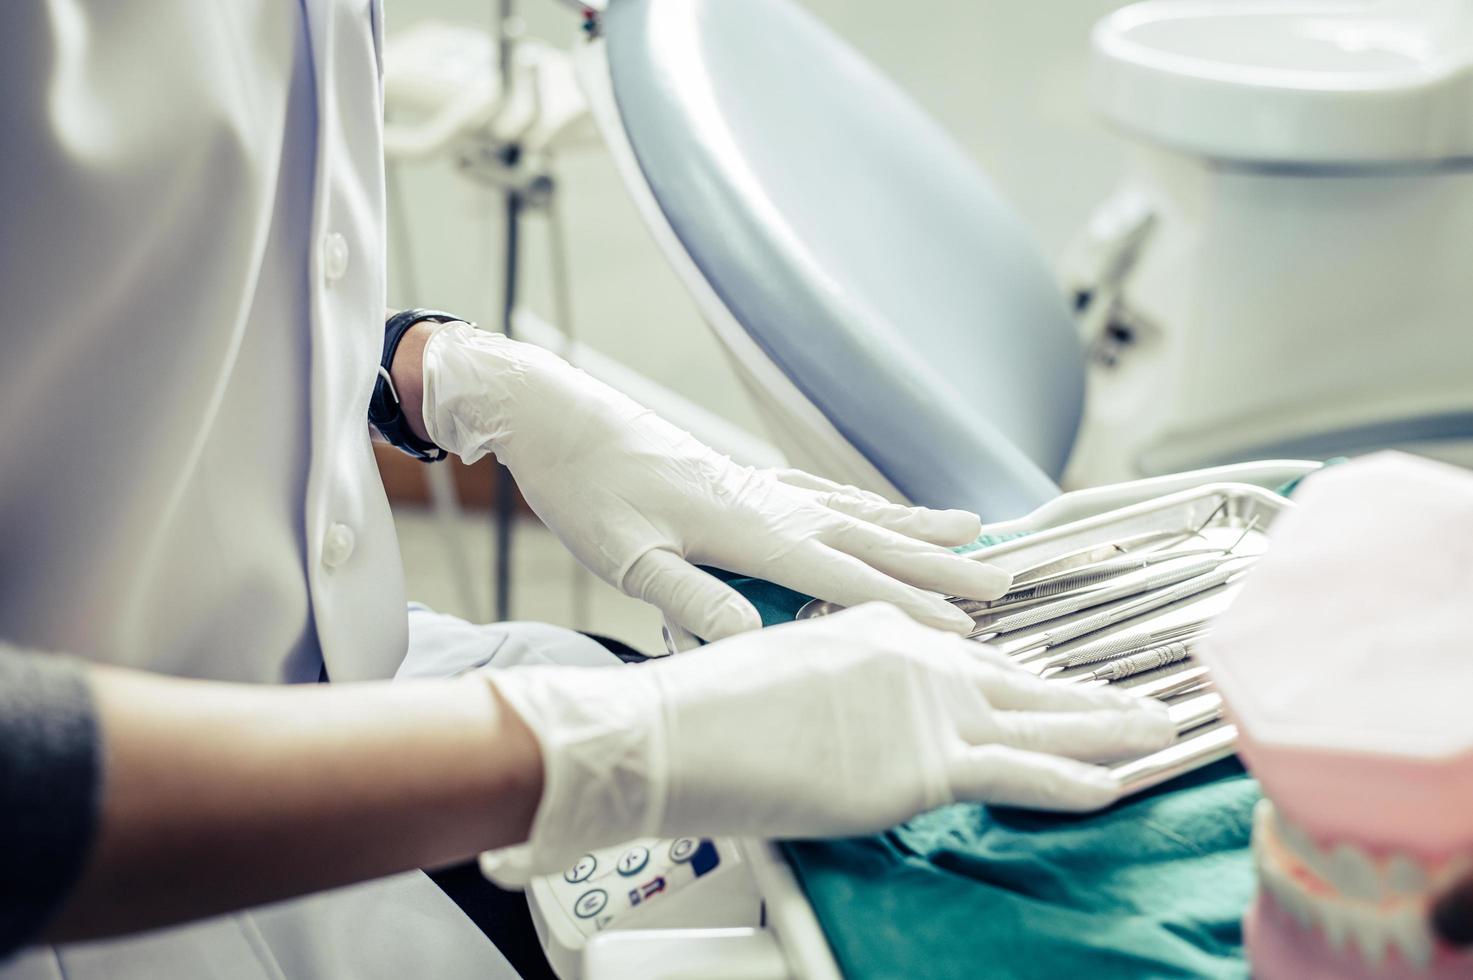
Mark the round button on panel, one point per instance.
(682, 849)
(581, 871)
(590, 903)
(632, 861)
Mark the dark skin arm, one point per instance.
(223, 796)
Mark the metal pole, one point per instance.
(507, 30)
(506, 498)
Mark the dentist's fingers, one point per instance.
(1007, 776)
(949, 528)
(1092, 736)
(917, 563)
(818, 570)
(810, 481)
(698, 601)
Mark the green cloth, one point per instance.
(1153, 887)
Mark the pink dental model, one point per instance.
(1347, 664)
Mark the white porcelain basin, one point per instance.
(1292, 82)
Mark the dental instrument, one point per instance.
(1196, 712)
(1125, 645)
(1013, 622)
(1184, 757)
(1140, 663)
(1100, 554)
(1086, 578)
(1120, 614)
(1172, 685)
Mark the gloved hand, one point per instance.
(640, 502)
(833, 726)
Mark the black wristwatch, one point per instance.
(383, 408)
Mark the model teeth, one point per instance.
(1359, 903)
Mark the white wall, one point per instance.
(1004, 76)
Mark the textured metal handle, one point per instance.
(1139, 663)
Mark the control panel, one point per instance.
(650, 883)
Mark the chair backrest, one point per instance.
(856, 244)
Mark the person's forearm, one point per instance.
(407, 373)
(218, 796)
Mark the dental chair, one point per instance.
(883, 305)
(880, 301)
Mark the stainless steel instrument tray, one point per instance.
(1226, 510)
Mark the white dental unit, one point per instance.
(1284, 271)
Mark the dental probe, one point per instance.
(1095, 554)
(1077, 581)
(1093, 595)
(1139, 663)
(1125, 546)
(1110, 648)
(1121, 590)
(1127, 644)
(1120, 614)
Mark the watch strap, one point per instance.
(384, 411)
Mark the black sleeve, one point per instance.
(50, 775)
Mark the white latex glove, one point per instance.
(641, 503)
(835, 726)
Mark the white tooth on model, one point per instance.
(1305, 849)
(1405, 876)
(1353, 874)
(1293, 836)
(1368, 930)
(1410, 934)
(1332, 922)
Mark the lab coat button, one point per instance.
(334, 257)
(337, 545)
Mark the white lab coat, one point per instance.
(193, 295)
